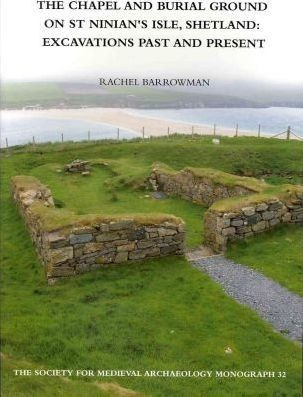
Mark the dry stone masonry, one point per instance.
(202, 186)
(239, 206)
(78, 166)
(231, 224)
(69, 244)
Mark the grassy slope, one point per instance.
(124, 317)
(38, 386)
(251, 156)
(277, 254)
(30, 93)
(50, 94)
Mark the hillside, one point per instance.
(77, 95)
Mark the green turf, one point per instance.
(93, 195)
(21, 94)
(160, 314)
(278, 254)
(41, 386)
(270, 158)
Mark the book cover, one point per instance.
(151, 198)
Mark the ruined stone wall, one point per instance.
(89, 242)
(207, 187)
(230, 225)
(203, 190)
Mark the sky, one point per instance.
(24, 59)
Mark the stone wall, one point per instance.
(263, 206)
(231, 224)
(202, 186)
(69, 244)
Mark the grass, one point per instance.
(21, 94)
(38, 386)
(94, 195)
(47, 94)
(279, 192)
(219, 177)
(160, 314)
(277, 254)
(242, 156)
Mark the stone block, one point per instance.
(151, 230)
(222, 223)
(56, 240)
(170, 249)
(145, 244)
(166, 232)
(105, 259)
(274, 222)
(243, 229)
(110, 236)
(153, 235)
(104, 227)
(259, 226)
(91, 260)
(267, 215)
(78, 252)
(117, 243)
(253, 219)
(153, 252)
(121, 257)
(181, 228)
(237, 222)
(84, 230)
(126, 247)
(293, 206)
(229, 215)
(298, 211)
(82, 268)
(60, 255)
(275, 206)
(229, 231)
(92, 247)
(248, 211)
(80, 238)
(137, 234)
(121, 225)
(180, 237)
(138, 254)
(261, 207)
(170, 225)
(296, 202)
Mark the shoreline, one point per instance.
(153, 126)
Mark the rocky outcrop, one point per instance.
(69, 244)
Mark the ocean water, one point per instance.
(272, 120)
(19, 127)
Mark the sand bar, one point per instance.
(124, 118)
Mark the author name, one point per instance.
(129, 82)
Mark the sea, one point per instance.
(272, 120)
(19, 127)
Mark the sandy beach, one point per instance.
(123, 118)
